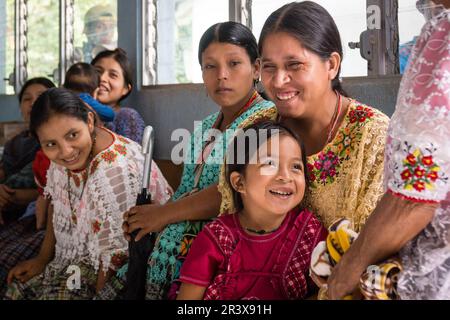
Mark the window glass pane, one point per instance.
(43, 38)
(95, 24)
(350, 18)
(410, 22)
(6, 45)
(179, 34)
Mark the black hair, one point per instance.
(120, 56)
(40, 80)
(57, 101)
(313, 26)
(238, 162)
(82, 78)
(229, 32)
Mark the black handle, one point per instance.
(138, 257)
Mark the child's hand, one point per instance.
(148, 218)
(26, 270)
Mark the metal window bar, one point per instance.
(241, 11)
(149, 42)
(66, 38)
(21, 44)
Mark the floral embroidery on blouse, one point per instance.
(109, 156)
(419, 170)
(94, 165)
(96, 226)
(324, 167)
(121, 149)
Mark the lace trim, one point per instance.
(399, 195)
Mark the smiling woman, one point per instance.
(116, 84)
(301, 55)
(93, 178)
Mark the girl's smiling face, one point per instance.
(274, 182)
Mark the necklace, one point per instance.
(69, 193)
(262, 231)
(335, 118)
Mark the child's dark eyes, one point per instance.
(73, 135)
(269, 162)
(298, 167)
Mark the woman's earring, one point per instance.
(257, 85)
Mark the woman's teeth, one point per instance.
(286, 96)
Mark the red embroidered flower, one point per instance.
(96, 226)
(109, 156)
(332, 172)
(411, 159)
(432, 176)
(120, 149)
(312, 177)
(428, 161)
(94, 166)
(419, 172)
(406, 174)
(419, 186)
(362, 119)
(310, 167)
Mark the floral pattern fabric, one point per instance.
(418, 159)
(346, 176)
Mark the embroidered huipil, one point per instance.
(346, 177)
(92, 233)
(418, 159)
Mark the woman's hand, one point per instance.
(26, 270)
(6, 196)
(148, 218)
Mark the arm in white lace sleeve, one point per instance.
(113, 192)
(417, 152)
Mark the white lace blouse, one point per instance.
(89, 205)
(418, 159)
